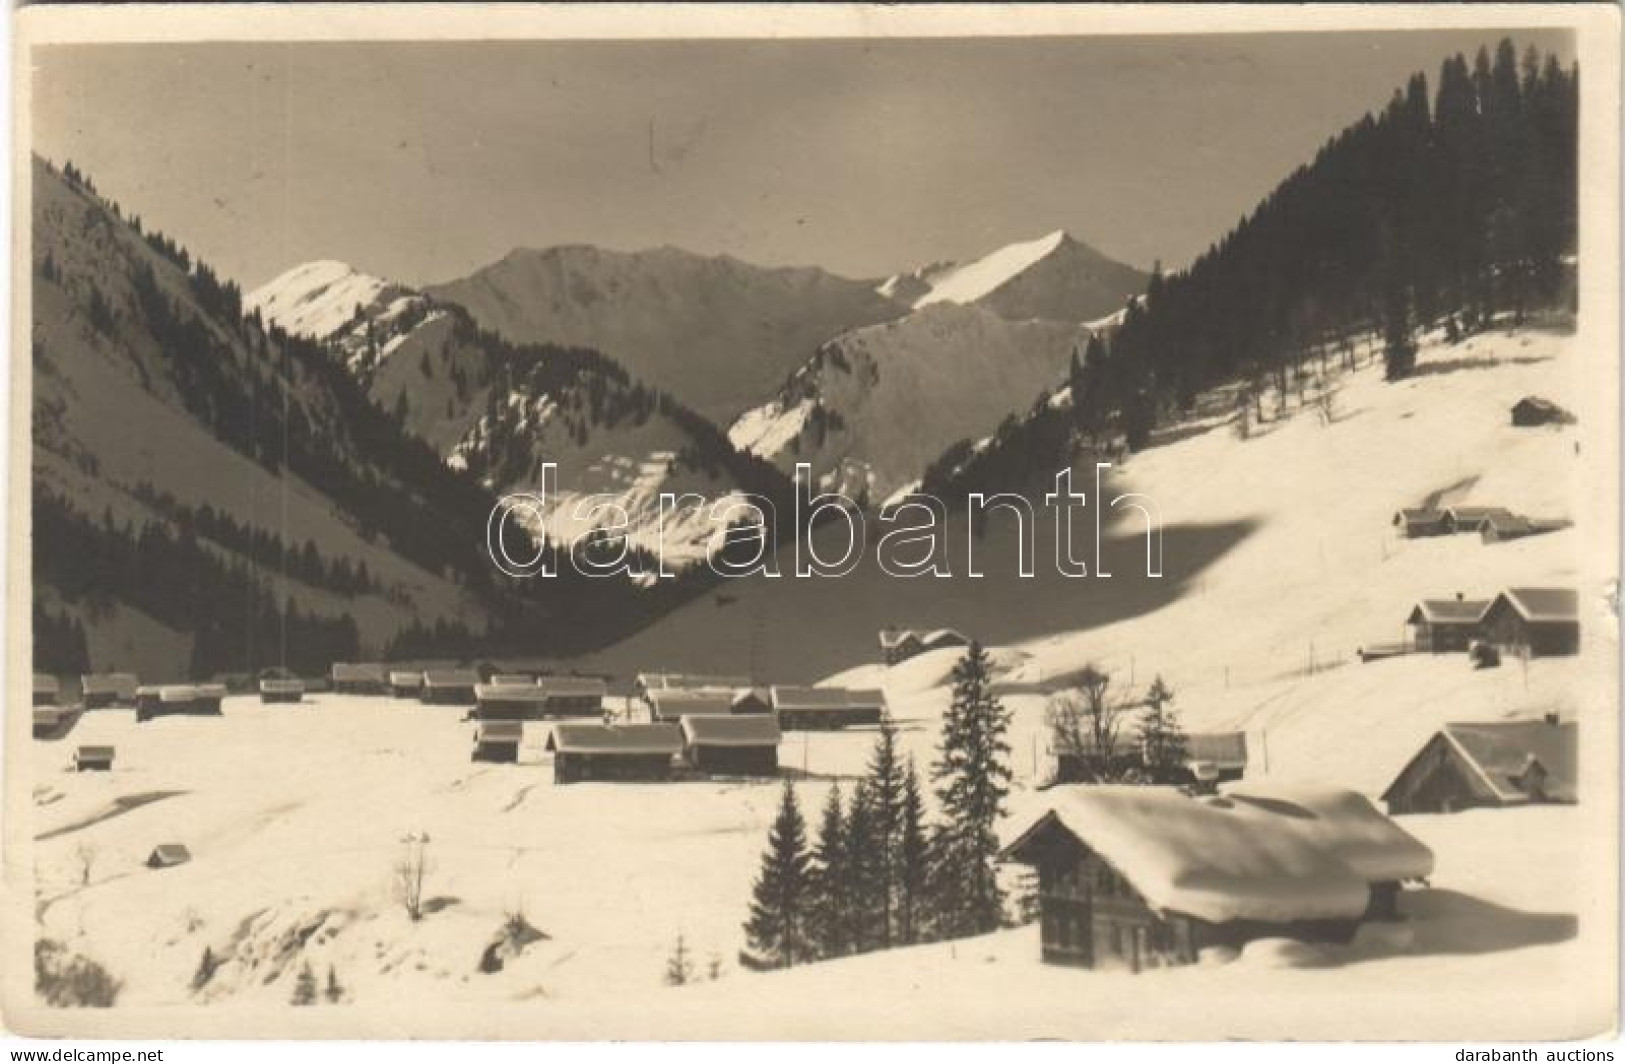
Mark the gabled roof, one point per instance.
(1370, 842)
(177, 692)
(405, 678)
(168, 854)
(757, 694)
(95, 753)
(572, 686)
(945, 637)
(1418, 515)
(450, 678)
(758, 729)
(866, 697)
(1542, 603)
(1477, 513)
(616, 739)
(1222, 859)
(1502, 752)
(349, 672)
(1448, 611)
(653, 680)
(513, 679)
(894, 637)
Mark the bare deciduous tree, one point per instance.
(410, 872)
(1084, 724)
(85, 855)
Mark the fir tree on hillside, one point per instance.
(1161, 737)
(829, 909)
(911, 862)
(885, 788)
(777, 928)
(866, 886)
(972, 776)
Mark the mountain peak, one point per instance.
(316, 299)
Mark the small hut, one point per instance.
(168, 855)
(449, 687)
(509, 702)
(613, 752)
(573, 696)
(672, 704)
(1532, 411)
(732, 746)
(898, 644)
(102, 690)
(93, 759)
(498, 740)
(824, 708)
(1534, 621)
(1490, 764)
(1441, 626)
(1459, 519)
(405, 683)
(1419, 522)
(350, 678)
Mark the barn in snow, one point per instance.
(354, 679)
(46, 690)
(509, 702)
(621, 753)
(1499, 763)
(93, 759)
(573, 696)
(1534, 621)
(1144, 877)
(1472, 518)
(732, 746)
(282, 689)
(900, 644)
(498, 740)
(109, 689)
(448, 687)
(823, 708)
(672, 704)
(405, 683)
(1441, 626)
(665, 681)
(168, 855)
(1419, 522)
(178, 699)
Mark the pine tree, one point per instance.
(972, 776)
(334, 992)
(206, 966)
(885, 786)
(679, 966)
(777, 928)
(304, 986)
(912, 861)
(865, 886)
(829, 908)
(1162, 739)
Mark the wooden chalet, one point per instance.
(512, 679)
(1146, 877)
(178, 700)
(1212, 758)
(448, 687)
(350, 678)
(509, 702)
(1491, 764)
(207, 698)
(1459, 519)
(663, 681)
(573, 696)
(48, 721)
(102, 690)
(498, 740)
(1440, 626)
(1534, 621)
(168, 855)
(405, 683)
(93, 759)
(619, 753)
(281, 690)
(47, 690)
(745, 745)
(1532, 411)
(824, 708)
(1420, 522)
(672, 704)
(900, 644)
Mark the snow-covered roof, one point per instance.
(1503, 751)
(513, 679)
(945, 637)
(1226, 749)
(507, 692)
(109, 683)
(348, 672)
(499, 731)
(449, 678)
(616, 739)
(1543, 603)
(405, 678)
(677, 702)
(273, 686)
(572, 687)
(756, 729)
(1275, 858)
(832, 698)
(1448, 611)
(168, 854)
(176, 692)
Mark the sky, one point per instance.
(422, 162)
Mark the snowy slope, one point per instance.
(967, 284)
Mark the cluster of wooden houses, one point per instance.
(1493, 524)
(1209, 759)
(1525, 621)
(1490, 764)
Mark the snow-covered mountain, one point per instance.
(1055, 277)
(503, 410)
(717, 333)
(876, 404)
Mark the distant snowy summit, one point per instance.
(1055, 277)
(317, 299)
